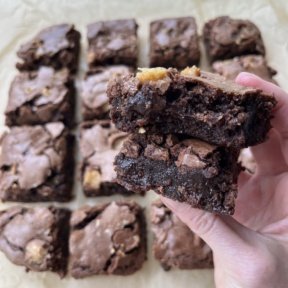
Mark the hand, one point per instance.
(251, 248)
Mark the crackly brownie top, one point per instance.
(106, 38)
(39, 147)
(94, 86)
(102, 236)
(175, 245)
(241, 36)
(173, 32)
(161, 79)
(100, 143)
(255, 64)
(174, 40)
(186, 154)
(43, 87)
(49, 41)
(27, 236)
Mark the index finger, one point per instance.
(280, 120)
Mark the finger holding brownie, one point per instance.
(256, 235)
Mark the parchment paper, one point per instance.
(20, 20)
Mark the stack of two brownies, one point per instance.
(187, 131)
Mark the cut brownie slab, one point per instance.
(41, 96)
(94, 97)
(100, 142)
(112, 42)
(36, 164)
(186, 170)
(36, 238)
(255, 64)
(174, 244)
(199, 104)
(56, 46)
(174, 43)
(107, 239)
(225, 38)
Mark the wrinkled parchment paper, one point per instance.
(20, 20)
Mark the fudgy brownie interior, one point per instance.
(186, 170)
(191, 102)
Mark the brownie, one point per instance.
(94, 98)
(225, 38)
(112, 42)
(199, 104)
(255, 64)
(174, 244)
(185, 170)
(36, 238)
(41, 96)
(57, 46)
(107, 239)
(174, 43)
(100, 142)
(36, 164)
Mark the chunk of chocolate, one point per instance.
(95, 103)
(225, 38)
(36, 238)
(174, 43)
(99, 144)
(107, 239)
(36, 164)
(255, 64)
(112, 42)
(174, 244)
(41, 96)
(57, 46)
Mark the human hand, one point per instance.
(251, 248)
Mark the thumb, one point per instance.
(222, 233)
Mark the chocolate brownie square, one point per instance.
(174, 244)
(199, 104)
(185, 170)
(174, 43)
(107, 239)
(36, 238)
(36, 164)
(225, 38)
(41, 96)
(100, 142)
(112, 42)
(255, 64)
(95, 103)
(57, 46)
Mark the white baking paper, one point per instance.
(20, 20)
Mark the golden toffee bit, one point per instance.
(151, 74)
(191, 71)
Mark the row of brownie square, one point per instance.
(104, 239)
(37, 162)
(47, 95)
(234, 46)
